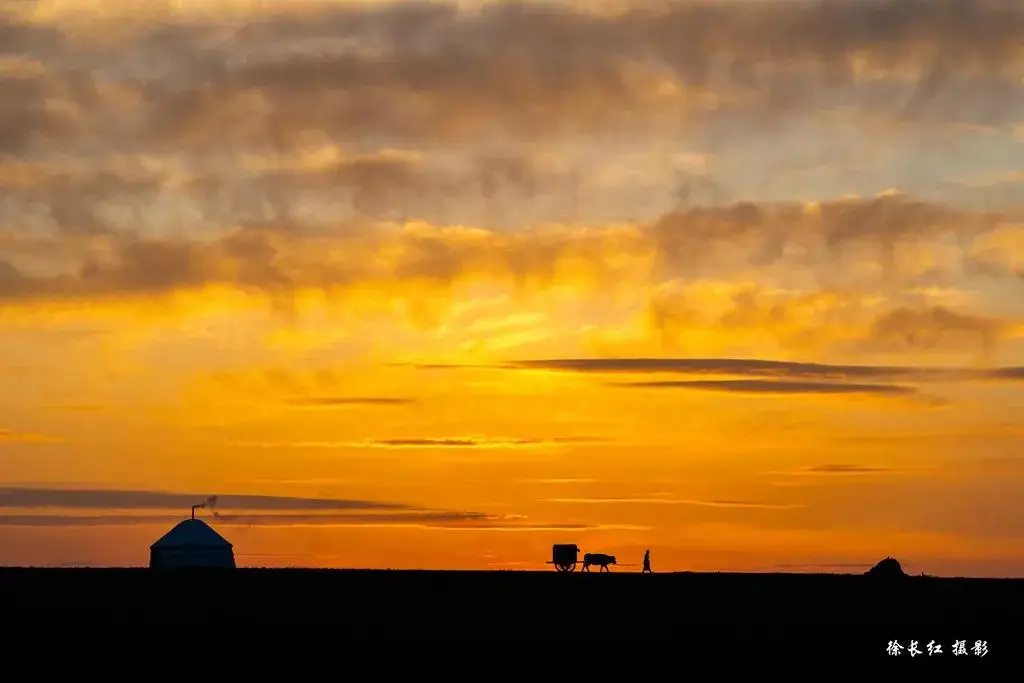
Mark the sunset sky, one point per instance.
(739, 282)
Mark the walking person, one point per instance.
(647, 562)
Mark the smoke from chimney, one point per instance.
(210, 504)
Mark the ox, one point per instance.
(599, 559)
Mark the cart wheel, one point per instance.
(565, 567)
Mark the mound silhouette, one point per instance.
(889, 568)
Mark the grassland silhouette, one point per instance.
(883, 612)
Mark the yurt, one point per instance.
(192, 543)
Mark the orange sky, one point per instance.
(418, 264)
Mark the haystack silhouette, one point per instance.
(889, 568)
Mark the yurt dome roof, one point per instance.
(192, 533)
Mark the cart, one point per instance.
(564, 556)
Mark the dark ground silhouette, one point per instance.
(791, 615)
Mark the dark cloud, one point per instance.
(23, 38)
(158, 500)
(935, 327)
(710, 366)
(455, 521)
(236, 510)
(698, 240)
(418, 519)
(241, 510)
(419, 71)
(762, 386)
(780, 370)
(441, 520)
(25, 118)
(338, 401)
(427, 71)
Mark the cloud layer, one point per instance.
(394, 159)
(416, 71)
(25, 506)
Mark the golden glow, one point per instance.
(312, 263)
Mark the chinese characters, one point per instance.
(958, 648)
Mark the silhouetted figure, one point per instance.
(647, 562)
(600, 559)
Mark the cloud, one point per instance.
(934, 327)
(440, 366)
(459, 443)
(760, 368)
(16, 497)
(846, 469)
(339, 401)
(671, 501)
(363, 269)
(849, 470)
(416, 71)
(77, 407)
(142, 507)
(891, 314)
(477, 442)
(448, 520)
(11, 436)
(336, 519)
(760, 386)
(362, 158)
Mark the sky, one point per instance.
(435, 285)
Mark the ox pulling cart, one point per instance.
(565, 557)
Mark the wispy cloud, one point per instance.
(325, 445)
(474, 442)
(759, 368)
(454, 521)
(287, 520)
(76, 407)
(846, 469)
(673, 501)
(126, 507)
(342, 401)
(754, 386)
(11, 436)
(31, 497)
